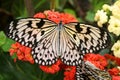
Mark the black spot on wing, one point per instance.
(41, 23)
(74, 36)
(88, 30)
(42, 33)
(30, 32)
(29, 24)
(78, 29)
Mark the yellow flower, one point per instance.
(116, 49)
(101, 17)
(116, 9)
(117, 3)
(106, 7)
(114, 25)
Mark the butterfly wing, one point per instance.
(46, 50)
(80, 39)
(88, 38)
(28, 31)
(91, 72)
(37, 34)
(40, 34)
(69, 49)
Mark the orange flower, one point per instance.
(112, 58)
(115, 77)
(114, 72)
(56, 16)
(51, 69)
(70, 73)
(98, 60)
(39, 15)
(22, 52)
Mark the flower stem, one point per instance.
(52, 5)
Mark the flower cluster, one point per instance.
(21, 52)
(116, 49)
(109, 15)
(115, 71)
(96, 59)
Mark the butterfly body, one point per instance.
(50, 41)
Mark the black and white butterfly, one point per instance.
(50, 41)
(91, 72)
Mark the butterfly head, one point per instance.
(60, 26)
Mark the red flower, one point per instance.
(114, 71)
(56, 16)
(51, 69)
(70, 73)
(112, 58)
(115, 77)
(39, 15)
(98, 60)
(22, 52)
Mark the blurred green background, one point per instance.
(83, 10)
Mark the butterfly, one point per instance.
(51, 41)
(91, 72)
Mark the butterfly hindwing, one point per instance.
(91, 72)
(70, 51)
(45, 52)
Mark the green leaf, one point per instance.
(70, 11)
(2, 38)
(7, 44)
(90, 16)
(14, 56)
(104, 51)
(1, 77)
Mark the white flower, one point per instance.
(101, 17)
(106, 7)
(114, 25)
(116, 49)
(116, 9)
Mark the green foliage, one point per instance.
(5, 42)
(19, 70)
(90, 16)
(2, 38)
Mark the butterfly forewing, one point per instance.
(88, 38)
(29, 31)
